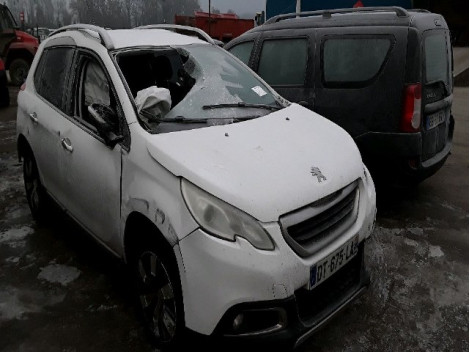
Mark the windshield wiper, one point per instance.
(241, 105)
(181, 119)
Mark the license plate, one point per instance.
(435, 119)
(331, 264)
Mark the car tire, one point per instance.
(35, 192)
(159, 297)
(18, 71)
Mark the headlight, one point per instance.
(223, 220)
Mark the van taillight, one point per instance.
(411, 118)
(2, 66)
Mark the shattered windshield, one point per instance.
(206, 86)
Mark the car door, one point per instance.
(91, 169)
(44, 113)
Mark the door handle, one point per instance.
(67, 145)
(34, 117)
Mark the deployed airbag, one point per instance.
(154, 101)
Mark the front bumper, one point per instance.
(306, 311)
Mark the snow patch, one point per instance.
(15, 237)
(17, 213)
(417, 231)
(411, 243)
(104, 308)
(15, 303)
(14, 260)
(383, 231)
(58, 273)
(435, 252)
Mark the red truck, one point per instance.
(17, 48)
(223, 27)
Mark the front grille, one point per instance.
(315, 226)
(323, 223)
(314, 305)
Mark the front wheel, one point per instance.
(159, 297)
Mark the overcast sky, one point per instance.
(240, 7)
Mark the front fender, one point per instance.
(156, 194)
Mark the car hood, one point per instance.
(264, 166)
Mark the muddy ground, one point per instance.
(59, 291)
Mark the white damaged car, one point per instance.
(243, 216)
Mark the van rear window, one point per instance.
(353, 60)
(435, 49)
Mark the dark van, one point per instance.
(383, 74)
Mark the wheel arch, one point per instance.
(140, 229)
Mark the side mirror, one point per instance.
(104, 119)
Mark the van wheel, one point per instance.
(19, 71)
(159, 297)
(35, 192)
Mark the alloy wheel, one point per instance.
(32, 184)
(157, 298)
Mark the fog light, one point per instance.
(237, 322)
(256, 321)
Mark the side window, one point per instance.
(53, 75)
(284, 61)
(242, 51)
(353, 60)
(94, 89)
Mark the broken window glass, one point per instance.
(96, 86)
(207, 86)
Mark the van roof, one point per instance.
(367, 16)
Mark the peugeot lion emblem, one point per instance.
(316, 172)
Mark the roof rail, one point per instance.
(419, 10)
(186, 30)
(103, 34)
(399, 11)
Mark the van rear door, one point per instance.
(437, 91)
